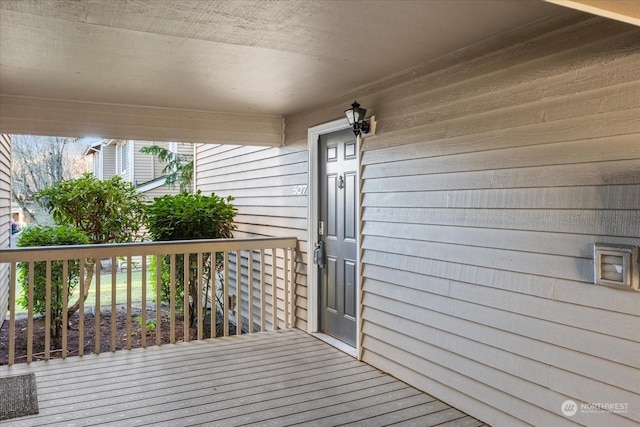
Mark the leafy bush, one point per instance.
(49, 236)
(109, 211)
(187, 217)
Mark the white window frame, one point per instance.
(123, 151)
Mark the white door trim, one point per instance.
(313, 134)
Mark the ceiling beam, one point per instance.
(51, 117)
(621, 10)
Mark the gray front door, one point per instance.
(339, 231)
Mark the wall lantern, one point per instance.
(355, 115)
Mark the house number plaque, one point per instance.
(300, 190)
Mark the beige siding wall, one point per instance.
(493, 173)
(262, 181)
(5, 219)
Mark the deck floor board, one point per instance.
(277, 378)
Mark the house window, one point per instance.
(124, 156)
(173, 147)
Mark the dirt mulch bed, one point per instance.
(89, 334)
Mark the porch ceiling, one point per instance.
(65, 61)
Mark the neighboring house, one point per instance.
(123, 157)
(492, 174)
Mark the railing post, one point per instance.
(158, 300)
(30, 313)
(97, 312)
(214, 304)
(12, 313)
(65, 304)
(200, 305)
(250, 289)
(238, 304)
(128, 327)
(185, 291)
(285, 287)
(263, 295)
(81, 284)
(292, 281)
(47, 311)
(143, 298)
(225, 295)
(274, 289)
(172, 299)
(113, 304)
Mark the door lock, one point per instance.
(319, 255)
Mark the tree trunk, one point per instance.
(89, 267)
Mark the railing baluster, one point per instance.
(274, 289)
(214, 301)
(285, 287)
(250, 288)
(225, 295)
(263, 295)
(81, 308)
(185, 305)
(238, 306)
(47, 311)
(12, 313)
(65, 304)
(172, 300)
(97, 311)
(200, 305)
(128, 327)
(292, 282)
(114, 314)
(30, 313)
(143, 297)
(158, 300)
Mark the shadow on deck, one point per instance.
(279, 378)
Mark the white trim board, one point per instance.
(313, 134)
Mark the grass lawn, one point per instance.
(105, 291)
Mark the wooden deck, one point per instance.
(268, 379)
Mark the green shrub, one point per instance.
(49, 236)
(109, 211)
(188, 216)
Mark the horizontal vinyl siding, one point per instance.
(262, 180)
(109, 165)
(491, 175)
(483, 197)
(5, 219)
(142, 163)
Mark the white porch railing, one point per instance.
(256, 276)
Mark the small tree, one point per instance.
(109, 211)
(49, 236)
(186, 217)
